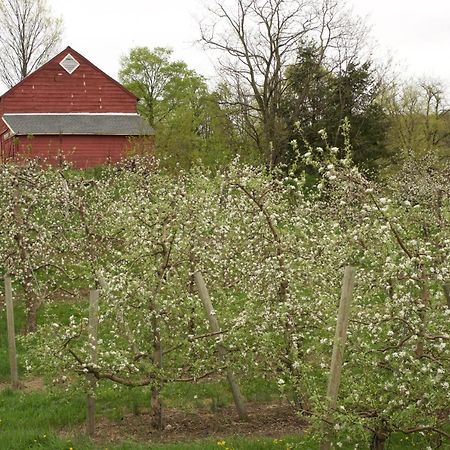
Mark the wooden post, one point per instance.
(92, 340)
(215, 328)
(11, 333)
(337, 357)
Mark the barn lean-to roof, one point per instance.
(111, 124)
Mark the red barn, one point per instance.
(69, 108)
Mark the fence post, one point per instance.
(11, 333)
(215, 328)
(337, 357)
(92, 340)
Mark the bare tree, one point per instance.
(28, 36)
(258, 39)
(419, 113)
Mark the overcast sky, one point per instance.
(416, 33)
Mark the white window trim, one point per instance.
(65, 68)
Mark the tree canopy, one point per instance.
(319, 99)
(258, 40)
(29, 34)
(189, 121)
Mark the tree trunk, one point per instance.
(157, 410)
(32, 310)
(447, 293)
(379, 440)
(425, 297)
(31, 301)
(157, 407)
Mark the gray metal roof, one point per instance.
(78, 124)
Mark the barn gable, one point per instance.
(53, 88)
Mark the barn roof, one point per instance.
(111, 124)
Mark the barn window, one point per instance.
(69, 63)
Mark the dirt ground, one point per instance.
(265, 419)
(27, 385)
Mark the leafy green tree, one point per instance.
(189, 122)
(150, 75)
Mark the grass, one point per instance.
(42, 419)
(28, 420)
(32, 420)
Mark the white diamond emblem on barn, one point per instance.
(69, 63)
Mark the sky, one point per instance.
(416, 33)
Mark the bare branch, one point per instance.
(257, 41)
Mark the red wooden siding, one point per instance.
(52, 89)
(81, 151)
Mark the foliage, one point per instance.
(30, 226)
(153, 77)
(399, 337)
(318, 98)
(190, 124)
(418, 117)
